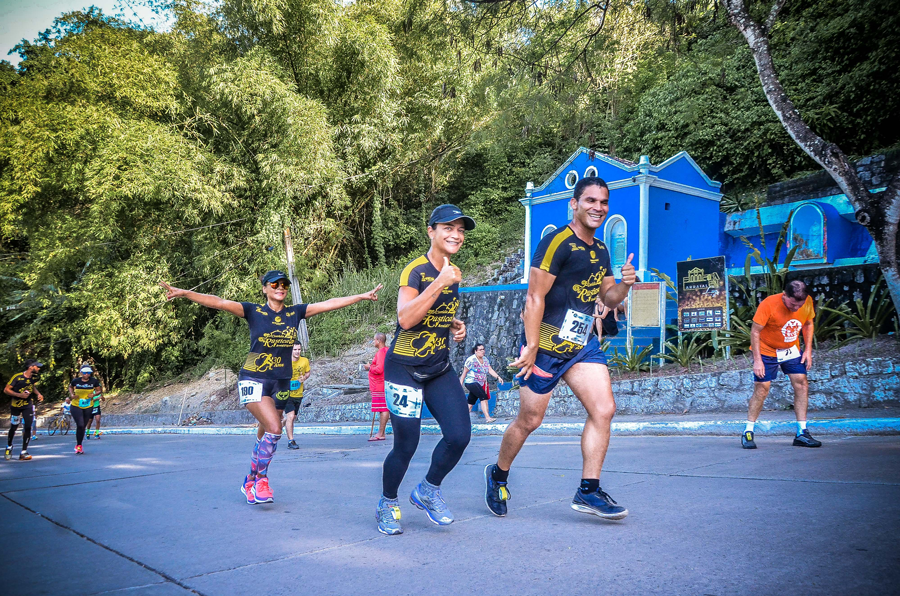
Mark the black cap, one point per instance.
(29, 363)
(274, 275)
(448, 213)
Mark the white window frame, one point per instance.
(587, 172)
(547, 230)
(823, 221)
(566, 179)
(607, 228)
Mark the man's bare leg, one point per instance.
(289, 424)
(590, 383)
(532, 407)
(801, 396)
(801, 405)
(760, 392)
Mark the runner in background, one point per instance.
(82, 390)
(778, 324)
(20, 388)
(300, 372)
(474, 378)
(95, 416)
(376, 385)
(266, 373)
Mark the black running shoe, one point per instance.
(805, 440)
(598, 503)
(293, 445)
(495, 493)
(747, 440)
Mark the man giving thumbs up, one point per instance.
(570, 272)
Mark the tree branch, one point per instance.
(773, 14)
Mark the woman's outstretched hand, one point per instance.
(173, 292)
(373, 294)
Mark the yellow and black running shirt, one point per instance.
(569, 305)
(425, 344)
(19, 383)
(84, 390)
(272, 337)
(298, 369)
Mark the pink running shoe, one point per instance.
(79, 450)
(261, 491)
(247, 489)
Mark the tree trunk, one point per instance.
(879, 213)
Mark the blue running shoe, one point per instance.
(428, 497)
(387, 513)
(495, 493)
(598, 503)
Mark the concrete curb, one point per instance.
(831, 427)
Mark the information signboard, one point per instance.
(702, 295)
(644, 309)
(647, 308)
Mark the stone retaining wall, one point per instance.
(858, 384)
(861, 383)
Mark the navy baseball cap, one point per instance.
(30, 362)
(448, 213)
(274, 275)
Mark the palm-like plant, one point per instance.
(870, 317)
(686, 349)
(632, 360)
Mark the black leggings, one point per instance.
(447, 403)
(476, 393)
(27, 416)
(82, 418)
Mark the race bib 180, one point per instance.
(576, 327)
(403, 401)
(250, 392)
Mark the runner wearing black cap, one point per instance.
(571, 272)
(267, 371)
(417, 370)
(20, 388)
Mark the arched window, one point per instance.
(615, 236)
(571, 179)
(547, 229)
(591, 171)
(807, 233)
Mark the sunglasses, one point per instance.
(281, 283)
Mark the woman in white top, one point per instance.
(474, 378)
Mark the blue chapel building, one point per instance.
(661, 213)
(670, 212)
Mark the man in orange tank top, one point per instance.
(775, 340)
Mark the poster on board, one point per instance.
(702, 295)
(645, 308)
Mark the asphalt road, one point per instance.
(162, 515)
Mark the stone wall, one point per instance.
(840, 284)
(861, 383)
(491, 318)
(875, 172)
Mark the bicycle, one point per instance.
(60, 422)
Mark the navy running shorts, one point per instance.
(289, 404)
(548, 370)
(794, 366)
